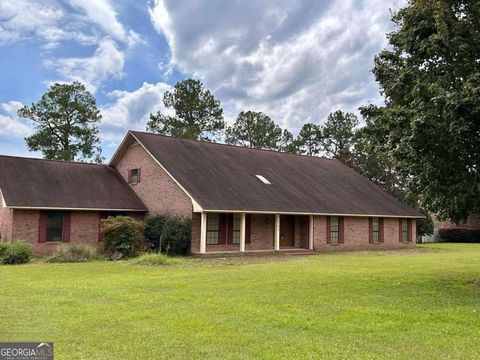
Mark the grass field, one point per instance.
(420, 304)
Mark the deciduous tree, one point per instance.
(430, 124)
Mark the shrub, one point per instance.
(459, 235)
(17, 253)
(75, 253)
(424, 226)
(123, 235)
(153, 231)
(156, 259)
(3, 249)
(168, 234)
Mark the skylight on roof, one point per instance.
(262, 179)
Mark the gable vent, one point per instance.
(262, 179)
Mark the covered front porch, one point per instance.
(230, 232)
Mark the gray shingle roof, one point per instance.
(223, 177)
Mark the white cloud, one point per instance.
(46, 20)
(51, 21)
(106, 62)
(102, 13)
(294, 60)
(10, 124)
(131, 110)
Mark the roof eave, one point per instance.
(120, 148)
(312, 213)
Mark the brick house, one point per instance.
(238, 199)
(47, 203)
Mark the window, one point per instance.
(134, 176)
(375, 230)
(405, 237)
(236, 229)
(224, 229)
(54, 226)
(334, 230)
(213, 228)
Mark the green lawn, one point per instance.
(420, 304)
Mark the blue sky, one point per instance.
(294, 60)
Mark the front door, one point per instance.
(287, 231)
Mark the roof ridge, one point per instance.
(231, 145)
(52, 160)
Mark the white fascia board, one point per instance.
(120, 147)
(70, 208)
(313, 213)
(2, 200)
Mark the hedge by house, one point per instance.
(459, 235)
(168, 234)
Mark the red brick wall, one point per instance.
(261, 235)
(196, 221)
(6, 223)
(25, 227)
(262, 232)
(156, 189)
(356, 234)
(83, 229)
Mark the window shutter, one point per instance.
(129, 176)
(42, 227)
(409, 237)
(400, 229)
(223, 229)
(139, 174)
(341, 232)
(328, 230)
(248, 228)
(229, 223)
(370, 230)
(380, 223)
(67, 215)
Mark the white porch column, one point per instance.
(310, 232)
(203, 233)
(277, 232)
(243, 222)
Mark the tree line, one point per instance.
(199, 115)
(422, 144)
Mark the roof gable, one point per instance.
(222, 177)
